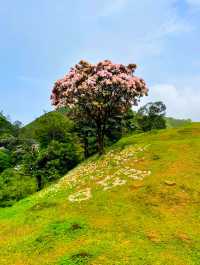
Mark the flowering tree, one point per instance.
(99, 92)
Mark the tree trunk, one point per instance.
(86, 147)
(100, 140)
(39, 182)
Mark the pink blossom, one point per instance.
(89, 80)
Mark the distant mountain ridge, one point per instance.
(175, 123)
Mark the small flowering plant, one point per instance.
(98, 92)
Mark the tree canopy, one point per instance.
(99, 92)
(151, 116)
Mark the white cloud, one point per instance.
(174, 25)
(132, 29)
(155, 41)
(181, 102)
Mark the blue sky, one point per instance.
(41, 39)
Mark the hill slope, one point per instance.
(138, 204)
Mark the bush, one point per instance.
(51, 163)
(5, 160)
(14, 186)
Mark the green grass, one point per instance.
(100, 213)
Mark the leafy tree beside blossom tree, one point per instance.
(99, 93)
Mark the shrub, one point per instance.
(5, 160)
(14, 186)
(51, 163)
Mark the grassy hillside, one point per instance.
(138, 204)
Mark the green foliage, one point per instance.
(14, 186)
(16, 128)
(85, 130)
(50, 126)
(17, 148)
(5, 160)
(5, 126)
(175, 123)
(56, 128)
(149, 123)
(115, 128)
(129, 122)
(45, 150)
(49, 164)
(151, 116)
(80, 258)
